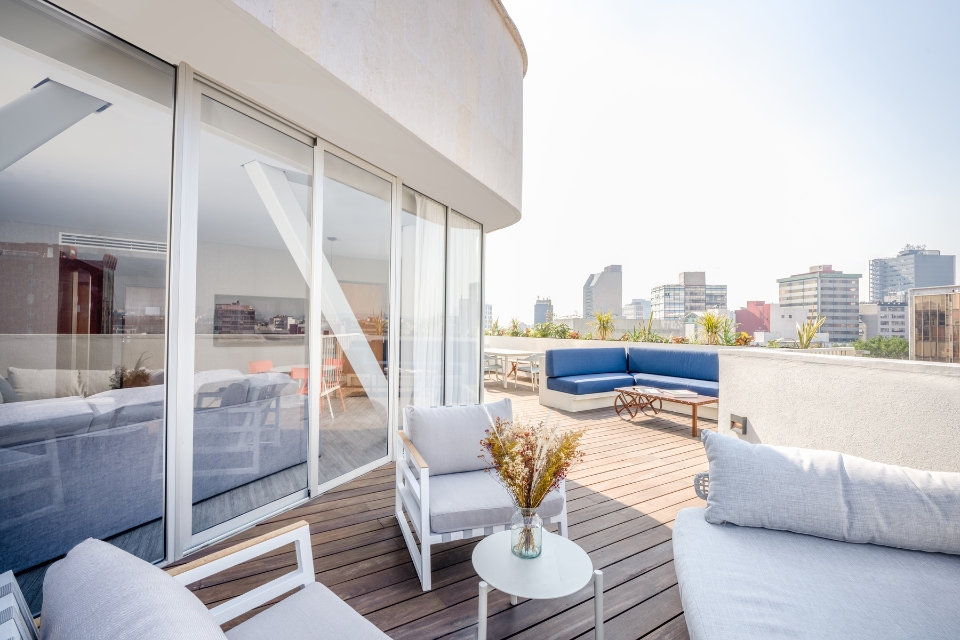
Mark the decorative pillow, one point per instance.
(99, 591)
(41, 384)
(448, 438)
(94, 381)
(831, 495)
(7, 393)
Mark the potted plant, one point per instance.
(530, 461)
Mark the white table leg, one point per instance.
(597, 604)
(513, 599)
(482, 613)
(506, 361)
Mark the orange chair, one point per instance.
(300, 375)
(260, 366)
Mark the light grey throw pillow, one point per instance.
(831, 495)
(448, 438)
(99, 591)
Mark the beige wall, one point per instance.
(448, 70)
(892, 411)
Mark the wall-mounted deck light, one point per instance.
(738, 424)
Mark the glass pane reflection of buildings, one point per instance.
(355, 305)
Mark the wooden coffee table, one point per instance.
(649, 402)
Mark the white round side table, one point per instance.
(562, 568)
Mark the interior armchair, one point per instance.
(443, 483)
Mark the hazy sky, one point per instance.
(749, 140)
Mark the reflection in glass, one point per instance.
(355, 303)
(464, 313)
(253, 265)
(85, 156)
(421, 300)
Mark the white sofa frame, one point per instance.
(297, 533)
(414, 496)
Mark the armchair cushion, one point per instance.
(831, 495)
(313, 613)
(99, 591)
(570, 362)
(473, 500)
(448, 438)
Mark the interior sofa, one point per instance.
(580, 379)
(75, 467)
(799, 543)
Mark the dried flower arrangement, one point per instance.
(530, 460)
(125, 378)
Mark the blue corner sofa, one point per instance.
(580, 379)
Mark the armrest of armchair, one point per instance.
(297, 533)
(701, 484)
(407, 444)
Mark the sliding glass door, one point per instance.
(251, 359)
(355, 318)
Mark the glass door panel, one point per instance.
(423, 231)
(250, 419)
(85, 154)
(355, 304)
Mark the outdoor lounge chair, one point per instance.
(100, 591)
(443, 484)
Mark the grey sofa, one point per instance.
(99, 591)
(75, 467)
(798, 543)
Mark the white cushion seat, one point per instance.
(475, 500)
(750, 582)
(313, 613)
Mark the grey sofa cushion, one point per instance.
(23, 422)
(473, 500)
(269, 385)
(94, 381)
(99, 591)
(742, 582)
(831, 495)
(42, 384)
(7, 392)
(220, 388)
(313, 613)
(448, 438)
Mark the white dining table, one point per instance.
(506, 355)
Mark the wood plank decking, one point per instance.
(622, 502)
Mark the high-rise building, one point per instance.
(934, 317)
(637, 309)
(487, 316)
(542, 311)
(604, 292)
(674, 301)
(826, 292)
(754, 317)
(885, 319)
(914, 266)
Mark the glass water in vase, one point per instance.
(526, 533)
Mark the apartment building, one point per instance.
(827, 292)
(691, 294)
(885, 319)
(914, 266)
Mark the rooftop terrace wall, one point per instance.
(892, 411)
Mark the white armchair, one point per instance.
(442, 483)
(100, 591)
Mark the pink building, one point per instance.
(755, 317)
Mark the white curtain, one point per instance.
(464, 313)
(421, 300)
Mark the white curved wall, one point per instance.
(447, 70)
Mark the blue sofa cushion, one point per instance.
(703, 387)
(589, 382)
(570, 362)
(679, 362)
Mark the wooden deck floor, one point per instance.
(622, 502)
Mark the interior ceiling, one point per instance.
(109, 175)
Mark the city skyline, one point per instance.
(727, 149)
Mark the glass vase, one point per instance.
(526, 533)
